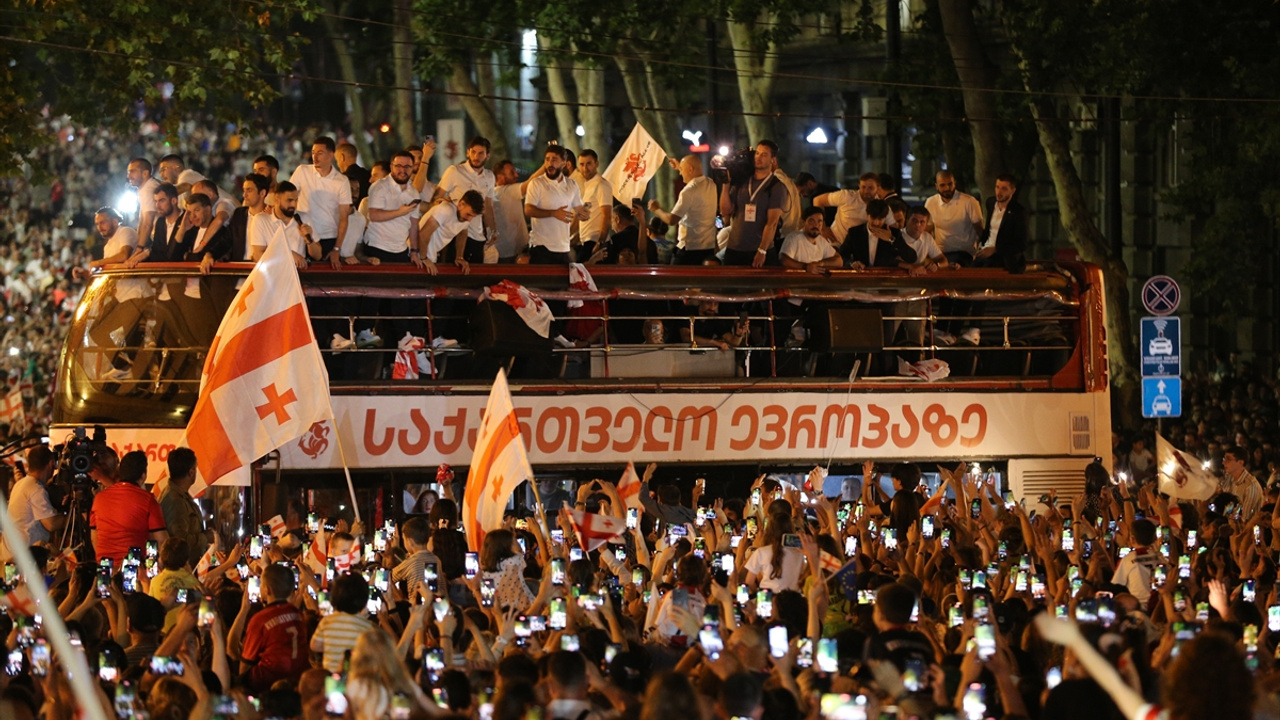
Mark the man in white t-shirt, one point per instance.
(282, 224)
(806, 249)
(551, 202)
(422, 162)
(171, 170)
(508, 212)
(324, 198)
(119, 240)
(850, 206)
(392, 233)
(471, 174)
(956, 218)
(444, 223)
(139, 174)
(694, 212)
(597, 199)
(29, 504)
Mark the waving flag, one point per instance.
(19, 600)
(1182, 475)
(264, 383)
(635, 165)
(595, 530)
(278, 528)
(207, 561)
(14, 414)
(498, 465)
(629, 488)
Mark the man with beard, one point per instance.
(850, 206)
(552, 200)
(1004, 242)
(471, 174)
(957, 220)
(806, 250)
(169, 226)
(508, 211)
(139, 175)
(756, 209)
(597, 198)
(282, 225)
(392, 235)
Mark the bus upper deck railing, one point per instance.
(140, 335)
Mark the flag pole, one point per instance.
(542, 513)
(351, 488)
(72, 659)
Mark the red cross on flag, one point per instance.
(13, 413)
(264, 383)
(19, 600)
(498, 465)
(634, 165)
(595, 530)
(629, 488)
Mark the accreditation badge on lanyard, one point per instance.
(749, 212)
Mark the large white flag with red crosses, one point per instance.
(629, 488)
(595, 530)
(498, 466)
(264, 383)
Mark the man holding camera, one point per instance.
(756, 208)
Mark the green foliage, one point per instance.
(95, 60)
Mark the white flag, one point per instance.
(634, 166)
(1182, 476)
(264, 383)
(498, 465)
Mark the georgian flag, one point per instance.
(344, 563)
(317, 557)
(14, 413)
(19, 600)
(264, 383)
(635, 165)
(206, 562)
(498, 465)
(629, 488)
(595, 530)
(1182, 475)
(527, 305)
(277, 526)
(831, 563)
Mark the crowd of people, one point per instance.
(769, 601)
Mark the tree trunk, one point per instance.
(589, 77)
(1073, 210)
(755, 69)
(565, 119)
(633, 79)
(402, 57)
(977, 76)
(348, 69)
(480, 112)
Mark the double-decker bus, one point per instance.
(814, 379)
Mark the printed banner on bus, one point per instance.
(563, 430)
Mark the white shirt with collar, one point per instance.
(321, 198)
(447, 228)
(697, 207)
(391, 235)
(547, 194)
(924, 246)
(513, 227)
(458, 179)
(953, 221)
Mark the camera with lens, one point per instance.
(74, 459)
(735, 169)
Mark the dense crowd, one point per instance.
(904, 600)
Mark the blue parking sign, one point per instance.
(1161, 346)
(1161, 397)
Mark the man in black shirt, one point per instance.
(896, 641)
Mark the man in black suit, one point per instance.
(255, 191)
(874, 243)
(169, 227)
(206, 242)
(1003, 242)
